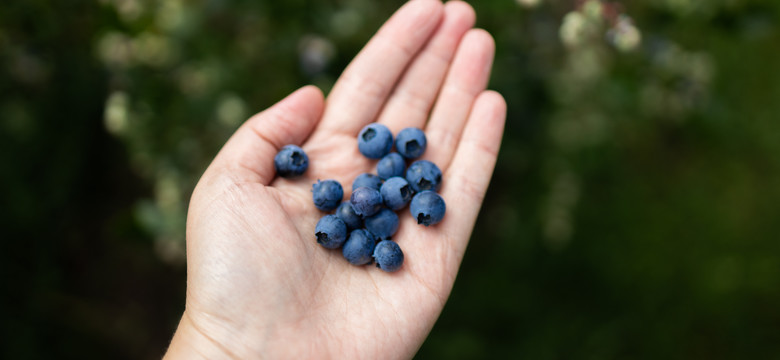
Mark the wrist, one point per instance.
(191, 342)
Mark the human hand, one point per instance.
(258, 283)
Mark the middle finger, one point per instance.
(413, 97)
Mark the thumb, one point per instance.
(256, 142)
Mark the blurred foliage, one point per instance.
(633, 212)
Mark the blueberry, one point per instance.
(359, 247)
(327, 194)
(291, 161)
(396, 193)
(375, 141)
(331, 232)
(366, 201)
(346, 213)
(383, 224)
(391, 165)
(367, 180)
(410, 143)
(424, 175)
(388, 256)
(427, 207)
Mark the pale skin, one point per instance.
(259, 285)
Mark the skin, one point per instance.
(258, 284)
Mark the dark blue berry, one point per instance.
(291, 161)
(423, 175)
(396, 193)
(391, 165)
(367, 180)
(331, 232)
(359, 247)
(427, 208)
(375, 141)
(327, 194)
(410, 143)
(388, 256)
(383, 224)
(366, 201)
(346, 213)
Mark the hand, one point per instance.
(258, 283)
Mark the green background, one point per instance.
(633, 213)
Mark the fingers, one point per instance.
(467, 178)
(467, 78)
(362, 89)
(257, 141)
(413, 97)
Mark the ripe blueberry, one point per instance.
(427, 207)
(410, 143)
(367, 180)
(383, 224)
(388, 256)
(331, 232)
(327, 194)
(346, 213)
(391, 165)
(291, 161)
(424, 175)
(359, 247)
(375, 141)
(396, 193)
(366, 201)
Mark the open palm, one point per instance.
(258, 283)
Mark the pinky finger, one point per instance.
(469, 174)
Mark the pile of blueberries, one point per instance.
(369, 215)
